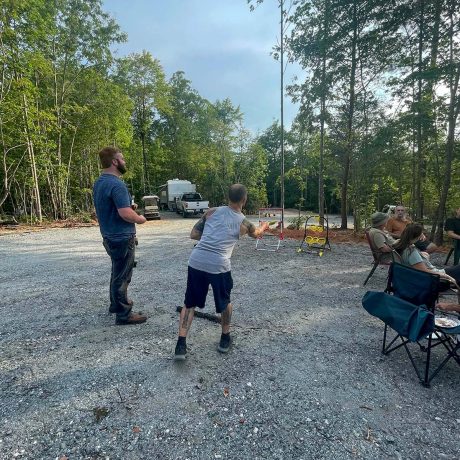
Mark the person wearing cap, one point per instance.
(396, 225)
(380, 238)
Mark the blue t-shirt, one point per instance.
(110, 194)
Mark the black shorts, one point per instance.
(422, 245)
(198, 285)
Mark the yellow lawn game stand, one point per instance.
(316, 236)
(267, 241)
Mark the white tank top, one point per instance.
(221, 232)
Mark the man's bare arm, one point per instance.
(131, 216)
(248, 228)
(453, 235)
(448, 306)
(198, 228)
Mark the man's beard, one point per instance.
(121, 168)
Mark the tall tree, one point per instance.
(79, 41)
(451, 78)
(19, 48)
(143, 79)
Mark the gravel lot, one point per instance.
(304, 380)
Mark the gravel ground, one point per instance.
(305, 378)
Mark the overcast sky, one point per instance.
(223, 48)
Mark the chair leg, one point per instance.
(448, 256)
(426, 381)
(451, 353)
(371, 273)
(384, 338)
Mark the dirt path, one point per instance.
(304, 380)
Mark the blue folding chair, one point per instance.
(407, 307)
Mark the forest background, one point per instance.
(377, 122)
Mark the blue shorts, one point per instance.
(198, 285)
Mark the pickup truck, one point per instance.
(191, 203)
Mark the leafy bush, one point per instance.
(297, 222)
(81, 217)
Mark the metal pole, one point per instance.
(282, 114)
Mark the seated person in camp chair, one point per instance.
(380, 238)
(399, 222)
(412, 257)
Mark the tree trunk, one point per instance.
(323, 114)
(144, 163)
(351, 107)
(7, 177)
(450, 145)
(431, 95)
(454, 109)
(419, 162)
(33, 165)
(68, 204)
(6, 182)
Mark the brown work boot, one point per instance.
(113, 309)
(133, 318)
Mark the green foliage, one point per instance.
(297, 222)
(251, 165)
(377, 123)
(83, 217)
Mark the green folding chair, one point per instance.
(407, 308)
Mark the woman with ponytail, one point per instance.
(412, 257)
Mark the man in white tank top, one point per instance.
(209, 264)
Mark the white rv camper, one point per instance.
(172, 191)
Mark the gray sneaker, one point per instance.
(225, 343)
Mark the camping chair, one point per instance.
(407, 307)
(380, 258)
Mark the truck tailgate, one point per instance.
(196, 205)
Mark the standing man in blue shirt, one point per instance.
(117, 220)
